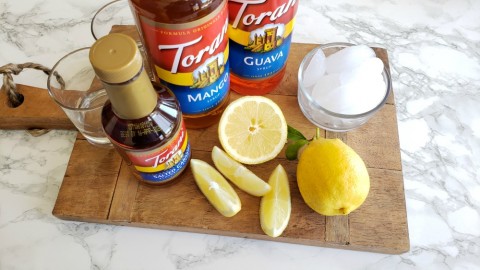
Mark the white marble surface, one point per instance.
(434, 50)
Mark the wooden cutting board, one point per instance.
(38, 111)
(98, 186)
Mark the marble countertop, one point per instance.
(434, 51)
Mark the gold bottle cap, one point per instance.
(115, 58)
(117, 62)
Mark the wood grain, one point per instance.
(88, 186)
(379, 225)
(38, 110)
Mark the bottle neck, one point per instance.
(133, 99)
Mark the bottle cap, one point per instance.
(117, 62)
(115, 58)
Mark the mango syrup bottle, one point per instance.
(142, 120)
(260, 33)
(187, 43)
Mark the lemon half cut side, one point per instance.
(252, 130)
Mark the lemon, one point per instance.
(252, 129)
(242, 177)
(332, 177)
(217, 190)
(275, 206)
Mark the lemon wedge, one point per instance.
(242, 177)
(252, 129)
(275, 206)
(214, 186)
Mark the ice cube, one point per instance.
(368, 68)
(348, 58)
(324, 85)
(352, 84)
(369, 92)
(314, 69)
(356, 97)
(339, 100)
(375, 92)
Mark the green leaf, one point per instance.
(294, 134)
(293, 148)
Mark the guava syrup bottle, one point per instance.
(187, 42)
(143, 121)
(260, 33)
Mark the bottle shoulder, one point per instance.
(151, 131)
(175, 11)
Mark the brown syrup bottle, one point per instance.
(142, 120)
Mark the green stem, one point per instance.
(317, 133)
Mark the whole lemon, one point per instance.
(332, 177)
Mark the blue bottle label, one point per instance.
(258, 65)
(202, 99)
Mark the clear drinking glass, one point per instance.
(74, 86)
(327, 119)
(113, 14)
(117, 17)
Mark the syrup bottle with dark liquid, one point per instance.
(142, 119)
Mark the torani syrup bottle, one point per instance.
(187, 42)
(142, 120)
(260, 33)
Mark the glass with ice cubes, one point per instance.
(342, 85)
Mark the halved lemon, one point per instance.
(242, 177)
(252, 129)
(214, 186)
(275, 206)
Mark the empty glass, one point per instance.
(74, 86)
(116, 17)
(114, 14)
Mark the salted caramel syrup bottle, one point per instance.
(142, 120)
(187, 43)
(260, 33)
